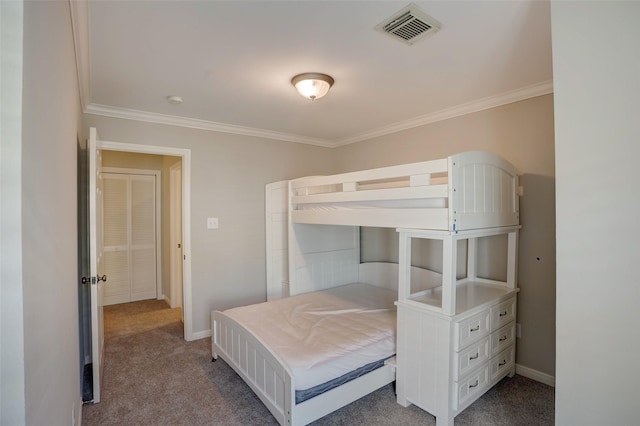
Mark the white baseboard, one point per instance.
(536, 375)
(166, 299)
(200, 334)
(79, 414)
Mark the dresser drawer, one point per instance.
(501, 365)
(502, 338)
(471, 329)
(503, 313)
(471, 388)
(471, 358)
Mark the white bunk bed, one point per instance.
(466, 196)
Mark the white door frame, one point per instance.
(158, 175)
(185, 154)
(175, 234)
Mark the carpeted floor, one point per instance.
(153, 377)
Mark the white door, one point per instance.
(97, 278)
(130, 229)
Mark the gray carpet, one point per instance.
(153, 377)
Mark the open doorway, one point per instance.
(140, 208)
(180, 160)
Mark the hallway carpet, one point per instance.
(153, 377)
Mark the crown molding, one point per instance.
(532, 91)
(527, 92)
(193, 123)
(80, 30)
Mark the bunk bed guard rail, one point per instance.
(469, 190)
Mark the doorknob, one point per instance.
(94, 280)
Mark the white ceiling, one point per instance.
(232, 62)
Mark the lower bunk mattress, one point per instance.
(328, 337)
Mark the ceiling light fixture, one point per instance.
(312, 85)
(174, 100)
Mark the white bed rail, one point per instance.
(469, 190)
(259, 368)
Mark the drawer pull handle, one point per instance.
(502, 339)
(502, 314)
(503, 362)
(475, 356)
(474, 385)
(476, 328)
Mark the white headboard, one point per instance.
(322, 257)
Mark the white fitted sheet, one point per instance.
(322, 335)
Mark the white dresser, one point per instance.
(457, 339)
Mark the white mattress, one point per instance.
(322, 335)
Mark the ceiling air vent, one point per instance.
(409, 25)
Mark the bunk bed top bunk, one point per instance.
(469, 190)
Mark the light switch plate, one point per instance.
(212, 222)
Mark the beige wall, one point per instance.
(50, 124)
(598, 206)
(522, 133)
(228, 177)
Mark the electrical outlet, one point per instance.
(518, 331)
(212, 223)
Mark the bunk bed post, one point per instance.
(404, 292)
(472, 258)
(402, 357)
(404, 266)
(512, 256)
(449, 261)
(291, 243)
